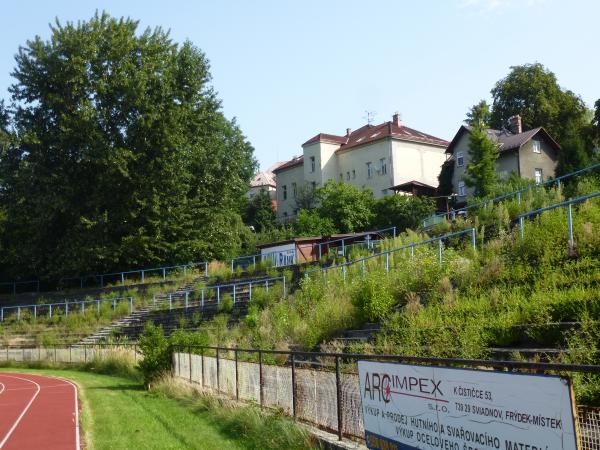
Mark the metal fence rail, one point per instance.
(100, 280)
(386, 254)
(252, 260)
(200, 296)
(322, 388)
(567, 203)
(77, 306)
(555, 181)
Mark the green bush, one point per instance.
(373, 298)
(155, 348)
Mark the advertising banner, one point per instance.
(424, 407)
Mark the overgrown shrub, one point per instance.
(155, 348)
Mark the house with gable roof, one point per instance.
(530, 154)
(377, 157)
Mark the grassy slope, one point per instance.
(119, 414)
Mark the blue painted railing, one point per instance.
(219, 289)
(386, 254)
(430, 221)
(567, 203)
(101, 279)
(79, 305)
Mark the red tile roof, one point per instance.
(372, 133)
(289, 164)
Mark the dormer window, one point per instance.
(537, 147)
(460, 159)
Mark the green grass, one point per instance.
(119, 414)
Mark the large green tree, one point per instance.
(259, 212)
(481, 168)
(348, 207)
(402, 211)
(479, 115)
(533, 92)
(124, 157)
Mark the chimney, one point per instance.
(348, 131)
(515, 125)
(396, 120)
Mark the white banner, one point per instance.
(423, 407)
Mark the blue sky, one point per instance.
(290, 69)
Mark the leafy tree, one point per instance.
(479, 115)
(306, 197)
(310, 223)
(348, 207)
(532, 91)
(446, 187)
(124, 156)
(596, 125)
(260, 213)
(481, 168)
(402, 211)
(575, 153)
(157, 356)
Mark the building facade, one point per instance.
(531, 154)
(377, 157)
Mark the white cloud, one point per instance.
(494, 5)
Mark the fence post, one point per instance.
(218, 373)
(343, 248)
(206, 269)
(190, 361)
(114, 304)
(473, 242)
(202, 298)
(387, 262)
(2, 315)
(394, 232)
(35, 311)
(122, 278)
(66, 309)
(362, 268)
(82, 307)
(338, 385)
(250, 293)
(130, 305)
(98, 306)
(440, 250)
(218, 295)
(232, 266)
(50, 311)
(412, 251)
(260, 377)
(319, 246)
(85, 352)
(283, 287)
(254, 261)
(170, 302)
(237, 384)
(202, 367)
(570, 218)
(519, 198)
(521, 227)
(187, 295)
(70, 355)
(267, 285)
(142, 276)
(344, 272)
(293, 384)
(164, 272)
(18, 313)
(234, 295)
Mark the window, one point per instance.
(294, 189)
(347, 176)
(312, 163)
(353, 174)
(537, 148)
(369, 170)
(383, 166)
(538, 174)
(461, 189)
(460, 159)
(341, 177)
(314, 185)
(284, 192)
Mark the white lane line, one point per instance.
(77, 440)
(3, 387)
(22, 412)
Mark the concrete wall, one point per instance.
(546, 160)
(286, 177)
(415, 161)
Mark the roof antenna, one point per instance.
(370, 116)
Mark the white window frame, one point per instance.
(539, 171)
(460, 159)
(284, 191)
(312, 164)
(369, 171)
(383, 166)
(294, 189)
(461, 189)
(537, 146)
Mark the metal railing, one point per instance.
(74, 305)
(201, 296)
(251, 260)
(430, 221)
(387, 253)
(100, 280)
(323, 388)
(521, 218)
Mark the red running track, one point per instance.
(38, 412)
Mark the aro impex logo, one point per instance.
(380, 386)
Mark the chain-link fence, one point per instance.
(322, 389)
